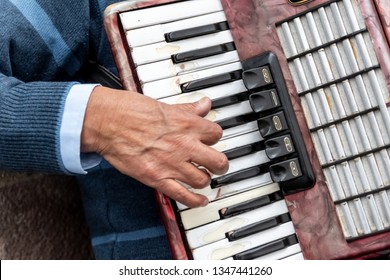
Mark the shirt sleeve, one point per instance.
(70, 132)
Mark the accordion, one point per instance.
(301, 91)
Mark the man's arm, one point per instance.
(30, 115)
(155, 143)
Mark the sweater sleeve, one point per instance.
(43, 46)
(30, 121)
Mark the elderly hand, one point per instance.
(155, 143)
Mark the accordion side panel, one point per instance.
(384, 13)
(119, 51)
(253, 25)
(379, 30)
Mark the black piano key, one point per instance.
(272, 124)
(279, 147)
(267, 248)
(239, 120)
(196, 31)
(230, 100)
(249, 205)
(211, 81)
(204, 52)
(244, 150)
(258, 227)
(238, 176)
(264, 100)
(257, 77)
(285, 170)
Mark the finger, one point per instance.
(216, 162)
(193, 176)
(209, 133)
(179, 193)
(200, 108)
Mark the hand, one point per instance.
(155, 143)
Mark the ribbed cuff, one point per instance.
(31, 115)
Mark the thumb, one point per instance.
(200, 108)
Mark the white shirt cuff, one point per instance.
(70, 131)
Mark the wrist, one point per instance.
(93, 120)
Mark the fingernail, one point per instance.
(205, 203)
(203, 100)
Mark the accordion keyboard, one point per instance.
(189, 53)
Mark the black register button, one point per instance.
(264, 100)
(272, 124)
(279, 147)
(285, 170)
(257, 77)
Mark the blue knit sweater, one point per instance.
(43, 44)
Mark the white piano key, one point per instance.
(230, 111)
(162, 50)
(290, 251)
(232, 189)
(166, 13)
(224, 249)
(215, 231)
(156, 33)
(237, 187)
(296, 257)
(171, 86)
(240, 129)
(167, 68)
(244, 162)
(199, 216)
(214, 93)
(239, 141)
